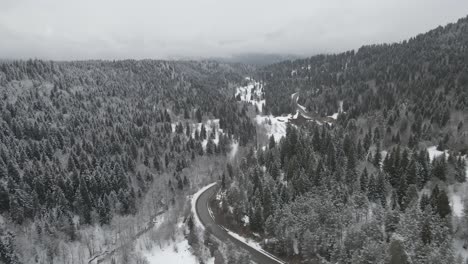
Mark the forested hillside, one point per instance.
(417, 89)
(386, 182)
(82, 142)
(366, 160)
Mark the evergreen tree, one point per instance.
(364, 181)
(4, 198)
(103, 208)
(443, 205)
(272, 143)
(7, 250)
(426, 233)
(402, 189)
(3, 170)
(377, 157)
(397, 254)
(424, 202)
(308, 246)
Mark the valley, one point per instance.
(353, 157)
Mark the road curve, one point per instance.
(201, 207)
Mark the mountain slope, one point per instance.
(423, 80)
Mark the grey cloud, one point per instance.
(118, 29)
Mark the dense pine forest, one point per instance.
(420, 84)
(376, 186)
(372, 169)
(81, 142)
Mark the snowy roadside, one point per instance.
(194, 199)
(176, 249)
(252, 244)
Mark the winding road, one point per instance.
(207, 220)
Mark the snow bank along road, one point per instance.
(206, 219)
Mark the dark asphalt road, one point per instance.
(204, 216)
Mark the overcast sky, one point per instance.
(119, 29)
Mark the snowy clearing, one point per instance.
(178, 252)
(275, 126)
(456, 204)
(211, 125)
(457, 195)
(434, 153)
(172, 251)
(252, 93)
(234, 149)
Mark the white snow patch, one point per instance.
(459, 250)
(234, 149)
(457, 205)
(295, 246)
(340, 110)
(434, 153)
(175, 250)
(252, 244)
(275, 126)
(457, 195)
(334, 116)
(210, 126)
(247, 241)
(252, 93)
(172, 253)
(246, 220)
(295, 116)
(194, 204)
(301, 106)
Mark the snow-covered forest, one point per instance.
(91, 152)
(386, 182)
(356, 157)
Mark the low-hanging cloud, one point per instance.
(120, 29)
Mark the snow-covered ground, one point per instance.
(457, 195)
(300, 106)
(434, 153)
(334, 116)
(247, 241)
(457, 204)
(274, 125)
(303, 108)
(246, 220)
(340, 110)
(457, 191)
(172, 251)
(252, 244)
(176, 252)
(210, 125)
(252, 93)
(234, 149)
